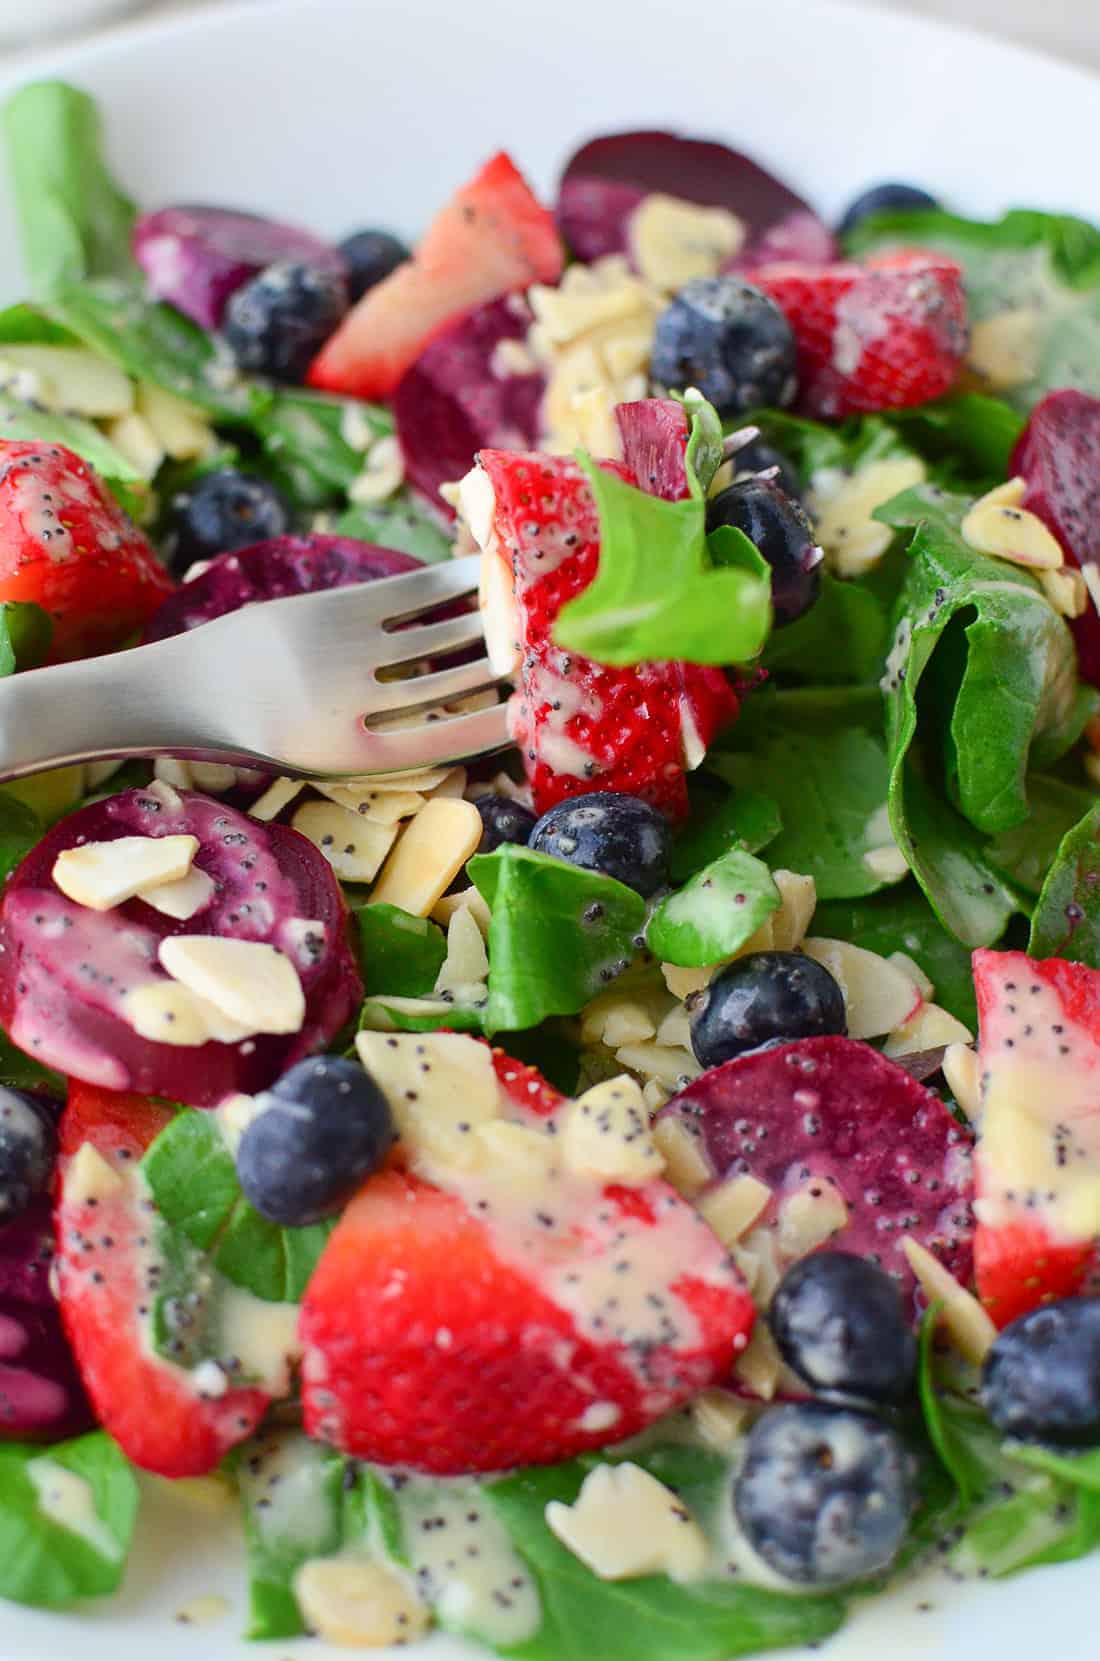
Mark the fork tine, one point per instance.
(433, 742)
(437, 688)
(415, 591)
(432, 640)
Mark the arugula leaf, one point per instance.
(25, 634)
(901, 920)
(302, 435)
(404, 522)
(653, 1616)
(715, 913)
(657, 594)
(1066, 922)
(398, 953)
(74, 220)
(720, 819)
(194, 1185)
(1027, 851)
(559, 934)
(50, 1563)
(813, 753)
(841, 640)
(1045, 266)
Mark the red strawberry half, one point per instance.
(1059, 456)
(492, 238)
(580, 725)
(108, 1276)
(453, 1330)
(1037, 1166)
(67, 546)
(832, 1114)
(884, 335)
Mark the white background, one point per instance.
(1068, 28)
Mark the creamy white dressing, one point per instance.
(67, 1500)
(282, 1482)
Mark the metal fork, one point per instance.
(290, 686)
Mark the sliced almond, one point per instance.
(183, 899)
(1004, 350)
(719, 1419)
(624, 1524)
(997, 525)
(674, 1031)
(605, 1134)
(429, 856)
(671, 1067)
(888, 863)
(250, 982)
(101, 875)
(760, 1366)
(683, 982)
(529, 1155)
(89, 1177)
(277, 796)
(732, 1208)
(673, 241)
(798, 902)
(907, 965)
(358, 1603)
(618, 1017)
(353, 845)
(877, 994)
(182, 430)
(467, 899)
(971, 1329)
(440, 1086)
(134, 438)
(385, 807)
(71, 379)
(1066, 590)
(809, 1218)
(853, 541)
(167, 1013)
(963, 1072)
(467, 962)
(930, 1027)
(686, 1165)
(383, 473)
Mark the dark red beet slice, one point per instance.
(655, 433)
(605, 179)
(1059, 456)
(196, 257)
(41, 1395)
(271, 571)
(837, 1109)
(458, 398)
(64, 969)
(799, 236)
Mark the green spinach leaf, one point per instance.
(293, 1507)
(404, 523)
(842, 639)
(901, 920)
(1066, 921)
(302, 435)
(559, 934)
(67, 1520)
(968, 438)
(721, 819)
(1027, 851)
(23, 325)
(74, 220)
(22, 422)
(25, 634)
(399, 954)
(713, 915)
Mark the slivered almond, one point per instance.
(962, 1070)
(183, 899)
(101, 875)
(606, 1134)
(467, 899)
(440, 1086)
(732, 1208)
(277, 796)
(358, 1603)
(249, 982)
(624, 1523)
(999, 526)
(429, 855)
(971, 1330)
(466, 963)
(686, 1165)
(354, 846)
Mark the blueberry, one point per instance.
(759, 457)
(782, 533)
(621, 836)
(760, 998)
(503, 820)
(1041, 1379)
(824, 1494)
(730, 340)
(890, 197)
(222, 512)
(371, 256)
(839, 1323)
(322, 1128)
(27, 1148)
(277, 323)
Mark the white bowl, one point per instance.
(339, 114)
(23, 21)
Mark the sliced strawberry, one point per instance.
(467, 1328)
(1059, 456)
(492, 238)
(844, 1137)
(884, 335)
(153, 1410)
(1037, 1167)
(581, 725)
(67, 546)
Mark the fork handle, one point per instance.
(127, 703)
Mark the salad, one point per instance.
(637, 1193)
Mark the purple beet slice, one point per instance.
(606, 179)
(41, 1396)
(459, 397)
(271, 571)
(1059, 455)
(837, 1110)
(655, 433)
(65, 969)
(195, 257)
(800, 236)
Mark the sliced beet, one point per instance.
(459, 397)
(41, 1395)
(272, 571)
(604, 181)
(655, 433)
(64, 969)
(195, 257)
(837, 1110)
(1059, 456)
(800, 236)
